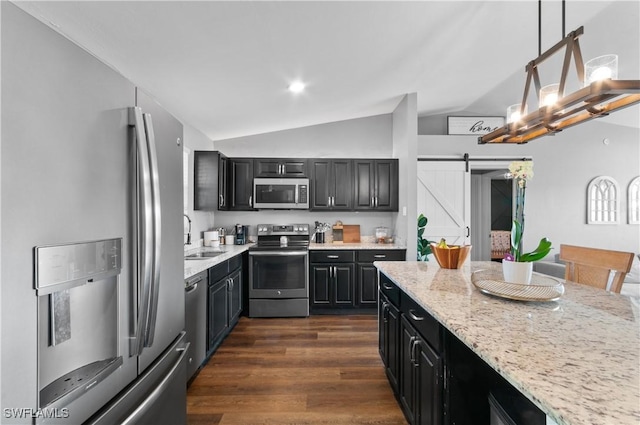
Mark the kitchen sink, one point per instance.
(203, 255)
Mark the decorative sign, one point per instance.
(477, 126)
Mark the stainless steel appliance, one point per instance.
(196, 321)
(92, 262)
(279, 271)
(279, 193)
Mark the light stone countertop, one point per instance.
(193, 267)
(577, 358)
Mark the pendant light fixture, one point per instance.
(600, 94)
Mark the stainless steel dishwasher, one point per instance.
(196, 321)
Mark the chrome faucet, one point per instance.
(188, 232)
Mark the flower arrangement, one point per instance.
(522, 172)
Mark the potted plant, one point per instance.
(517, 267)
(424, 246)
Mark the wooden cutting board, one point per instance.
(351, 233)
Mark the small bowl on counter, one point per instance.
(451, 257)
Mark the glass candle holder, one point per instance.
(549, 94)
(513, 113)
(601, 68)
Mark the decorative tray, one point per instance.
(542, 287)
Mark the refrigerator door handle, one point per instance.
(148, 403)
(157, 232)
(144, 220)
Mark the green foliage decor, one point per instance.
(424, 246)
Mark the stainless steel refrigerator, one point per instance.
(92, 293)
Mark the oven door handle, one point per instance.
(279, 253)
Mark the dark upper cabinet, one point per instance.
(376, 184)
(210, 181)
(278, 167)
(332, 184)
(241, 184)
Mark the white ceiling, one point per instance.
(223, 67)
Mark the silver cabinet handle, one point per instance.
(144, 216)
(414, 352)
(380, 256)
(157, 230)
(387, 286)
(412, 340)
(251, 200)
(385, 312)
(333, 257)
(412, 314)
(191, 288)
(373, 203)
(220, 200)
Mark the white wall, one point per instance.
(564, 165)
(405, 140)
(369, 137)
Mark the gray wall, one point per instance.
(564, 165)
(405, 126)
(369, 137)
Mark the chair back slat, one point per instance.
(600, 268)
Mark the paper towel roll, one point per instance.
(211, 238)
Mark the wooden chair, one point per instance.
(593, 267)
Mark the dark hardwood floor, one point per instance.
(301, 371)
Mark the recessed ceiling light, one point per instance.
(296, 87)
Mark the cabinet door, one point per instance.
(428, 367)
(320, 283)
(205, 180)
(241, 184)
(321, 182)
(342, 184)
(408, 377)
(218, 313)
(223, 183)
(386, 185)
(344, 283)
(367, 286)
(277, 167)
(363, 184)
(388, 343)
(235, 296)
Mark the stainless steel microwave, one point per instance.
(283, 194)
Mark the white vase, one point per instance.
(517, 272)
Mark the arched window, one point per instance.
(633, 201)
(603, 197)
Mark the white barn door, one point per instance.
(444, 197)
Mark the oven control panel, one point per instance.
(282, 229)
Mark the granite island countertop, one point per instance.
(577, 359)
(354, 246)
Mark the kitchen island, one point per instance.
(577, 359)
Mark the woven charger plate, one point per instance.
(542, 287)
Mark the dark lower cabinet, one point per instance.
(332, 285)
(421, 371)
(388, 343)
(218, 313)
(224, 301)
(436, 378)
(367, 274)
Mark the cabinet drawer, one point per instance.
(381, 255)
(235, 263)
(334, 256)
(426, 325)
(388, 288)
(218, 272)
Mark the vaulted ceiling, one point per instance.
(224, 67)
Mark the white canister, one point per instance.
(229, 239)
(211, 238)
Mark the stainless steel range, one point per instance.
(279, 271)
